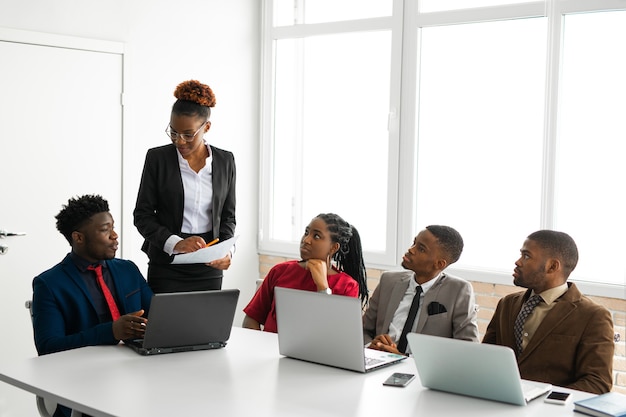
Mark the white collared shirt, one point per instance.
(198, 199)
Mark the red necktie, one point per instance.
(115, 313)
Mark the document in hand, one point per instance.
(611, 404)
(204, 255)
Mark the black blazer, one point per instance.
(158, 212)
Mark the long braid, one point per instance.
(349, 257)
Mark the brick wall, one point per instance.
(487, 297)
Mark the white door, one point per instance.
(60, 136)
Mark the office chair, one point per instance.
(44, 406)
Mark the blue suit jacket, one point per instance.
(64, 316)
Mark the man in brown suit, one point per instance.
(567, 339)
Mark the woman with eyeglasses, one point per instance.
(186, 197)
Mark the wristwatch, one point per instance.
(326, 291)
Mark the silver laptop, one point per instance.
(186, 321)
(473, 369)
(325, 329)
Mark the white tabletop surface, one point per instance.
(246, 378)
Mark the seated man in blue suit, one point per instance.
(70, 307)
(89, 298)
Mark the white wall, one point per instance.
(166, 42)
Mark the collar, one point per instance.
(425, 286)
(82, 263)
(550, 296)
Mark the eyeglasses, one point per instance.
(174, 135)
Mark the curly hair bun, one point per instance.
(196, 92)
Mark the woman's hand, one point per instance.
(191, 244)
(222, 264)
(319, 272)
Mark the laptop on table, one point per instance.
(186, 321)
(473, 369)
(325, 329)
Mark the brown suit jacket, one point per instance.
(573, 346)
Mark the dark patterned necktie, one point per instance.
(518, 328)
(408, 324)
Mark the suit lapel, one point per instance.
(176, 177)
(217, 177)
(563, 307)
(397, 293)
(72, 272)
(120, 289)
(429, 297)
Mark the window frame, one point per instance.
(270, 35)
(406, 23)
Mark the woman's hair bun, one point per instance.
(196, 92)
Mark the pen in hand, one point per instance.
(213, 242)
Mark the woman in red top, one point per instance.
(328, 237)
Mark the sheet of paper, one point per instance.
(201, 256)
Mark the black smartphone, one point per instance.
(399, 380)
(556, 397)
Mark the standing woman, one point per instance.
(186, 198)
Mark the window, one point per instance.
(331, 136)
(591, 144)
(497, 117)
(480, 135)
(289, 12)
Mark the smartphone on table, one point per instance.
(556, 397)
(399, 379)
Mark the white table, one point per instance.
(246, 378)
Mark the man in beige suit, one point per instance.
(566, 339)
(443, 305)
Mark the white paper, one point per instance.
(205, 255)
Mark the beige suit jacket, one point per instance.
(455, 294)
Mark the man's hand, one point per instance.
(385, 343)
(130, 326)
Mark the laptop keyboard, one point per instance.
(531, 391)
(372, 361)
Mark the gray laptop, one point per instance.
(325, 329)
(185, 321)
(473, 369)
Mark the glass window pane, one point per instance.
(427, 6)
(331, 139)
(590, 203)
(285, 170)
(480, 135)
(286, 12)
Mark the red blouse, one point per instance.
(290, 274)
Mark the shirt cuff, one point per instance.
(170, 243)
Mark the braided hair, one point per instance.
(193, 99)
(349, 257)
